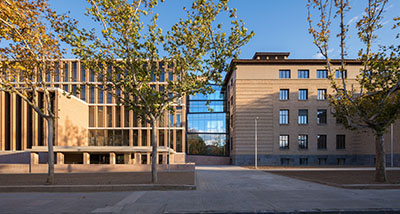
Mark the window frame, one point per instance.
(286, 91)
(323, 95)
(284, 145)
(322, 145)
(299, 120)
(281, 116)
(301, 94)
(320, 121)
(338, 74)
(302, 145)
(284, 74)
(325, 74)
(303, 74)
(340, 145)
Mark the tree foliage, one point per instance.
(375, 103)
(132, 52)
(29, 57)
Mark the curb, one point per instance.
(312, 211)
(96, 188)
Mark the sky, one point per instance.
(279, 25)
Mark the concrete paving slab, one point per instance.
(220, 190)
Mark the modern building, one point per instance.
(295, 125)
(90, 127)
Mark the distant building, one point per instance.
(295, 124)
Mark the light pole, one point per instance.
(391, 145)
(169, 142)
(255, 142)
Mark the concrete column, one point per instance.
(60, 158)
(138, 158)
(13, 124)
(127, 158)
(139, 143)
(34, 158)
(24, 124)
(2, 120)
(148, 158)
(164, 158)
(86, 158)
(112, 158)
(171, 158)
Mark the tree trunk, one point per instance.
(154, 177)
(50, 154)
(380, 172)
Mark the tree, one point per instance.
(127, 54)
(29, 57)
(375, 103)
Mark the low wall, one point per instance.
(208, 160)
(89, 168)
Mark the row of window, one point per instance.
(303, 94)
(303, 116)
(305, 74)
(304, 161)
(303, 141)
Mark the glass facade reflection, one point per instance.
(206, 124)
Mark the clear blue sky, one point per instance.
(279, 25)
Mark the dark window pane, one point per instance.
(303, 141)
(340, 142)
(321, 141)
(321, 116)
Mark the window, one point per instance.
(284, 74)
(303, 161)
(66, 76)
(284, 142)
(284, 94)
(339, 74)
(341, 161)
(321, 141)
(322, 161)
(321, 116)
(321, 94)
(302, 74)
(303, 94)
(322, 74)
(340, 141)
(303, 141)
(303, 116)
(285, 161)
(284, 116)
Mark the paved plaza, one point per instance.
(220, 189)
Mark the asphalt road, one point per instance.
(220, 189)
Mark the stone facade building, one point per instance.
(295, 124)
